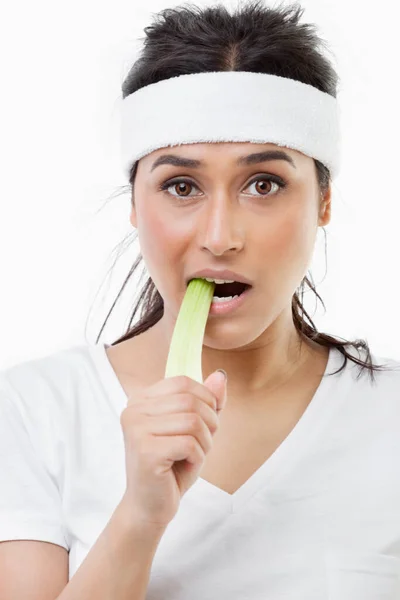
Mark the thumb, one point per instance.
(217, 384)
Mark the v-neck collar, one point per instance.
(292, 449)
(284, 458)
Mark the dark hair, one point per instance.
(192, 39)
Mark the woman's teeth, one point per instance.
(217, 299)
(219, 280)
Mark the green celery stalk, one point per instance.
(184, 356)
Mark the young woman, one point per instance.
(282, 481)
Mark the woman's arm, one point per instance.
(119, 563)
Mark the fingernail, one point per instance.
(224, 373)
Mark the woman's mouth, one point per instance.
(229, 297)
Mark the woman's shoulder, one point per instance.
(41, 390)
(41, 371)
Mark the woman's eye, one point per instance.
(182, 186)
(264, 186)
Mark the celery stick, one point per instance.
(184, 357)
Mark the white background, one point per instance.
(61, 231)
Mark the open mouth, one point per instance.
(229, 290)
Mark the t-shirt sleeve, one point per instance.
(30, 502)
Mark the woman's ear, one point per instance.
(133, 218)
(325, 208)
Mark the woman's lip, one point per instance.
(224, 308)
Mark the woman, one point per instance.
(281, 482)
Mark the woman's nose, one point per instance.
(222, 228)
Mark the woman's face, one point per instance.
(258, 218)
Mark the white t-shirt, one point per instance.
(319, 519)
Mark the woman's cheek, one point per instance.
(151, 234)
(281, 239)
(290, 242)
(152, 229)
(300, 238)
(162, 245)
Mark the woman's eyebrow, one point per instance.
(249, 159)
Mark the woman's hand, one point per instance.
(168, 430)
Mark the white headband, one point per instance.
(231, 106)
